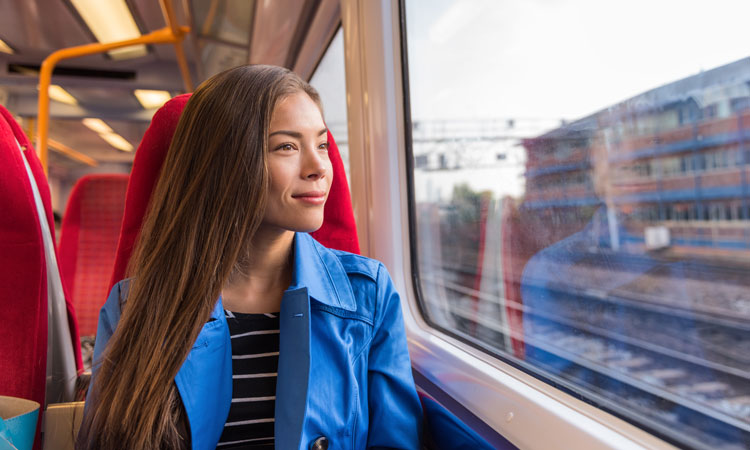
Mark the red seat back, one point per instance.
(88, 243)
(23, 278)
(338, 231)
(23, 269)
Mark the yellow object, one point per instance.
(171, 34)
(30, 122)
(72, 154)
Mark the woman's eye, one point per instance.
(323, 146)
(285, 147)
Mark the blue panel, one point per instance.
(557, 169)
(695, 242)
(683, 146)
(563, 202)
(713, 192)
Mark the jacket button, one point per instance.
(320, 443)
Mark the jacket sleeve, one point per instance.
(395, 411)
(109, 315)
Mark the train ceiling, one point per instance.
(224, 33)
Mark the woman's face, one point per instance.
(298, 164)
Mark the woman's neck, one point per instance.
(263, 274)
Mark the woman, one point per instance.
(224, 246)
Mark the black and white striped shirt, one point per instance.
(255, 360)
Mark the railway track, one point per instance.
(659, 283)
(670, 360)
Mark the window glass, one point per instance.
(330, 81)
(582, 198)
(222, 32)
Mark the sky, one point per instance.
(554, 59)
(541, 61)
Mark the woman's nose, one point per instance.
(314, 164)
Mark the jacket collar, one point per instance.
(320, 271)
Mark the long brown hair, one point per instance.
(208, 203)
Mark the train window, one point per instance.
(222, 33)
(581, 199)
(330, 81)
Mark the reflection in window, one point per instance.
(330, 81)
(583, 201)
(222, 29)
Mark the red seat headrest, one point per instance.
(338, 231)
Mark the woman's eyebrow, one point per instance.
(293, 134)
(296, 134)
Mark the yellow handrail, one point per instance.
(169, 17)
(70, 153)
(171, 34)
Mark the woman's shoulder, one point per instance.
(120, 290)
(358, 264)
(372, 288)
(117, 296)
(352, 263)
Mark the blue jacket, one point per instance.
(344, 370)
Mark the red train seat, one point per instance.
(338, 231)
(88, 243)
(30, 285)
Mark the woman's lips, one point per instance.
(312, 197)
